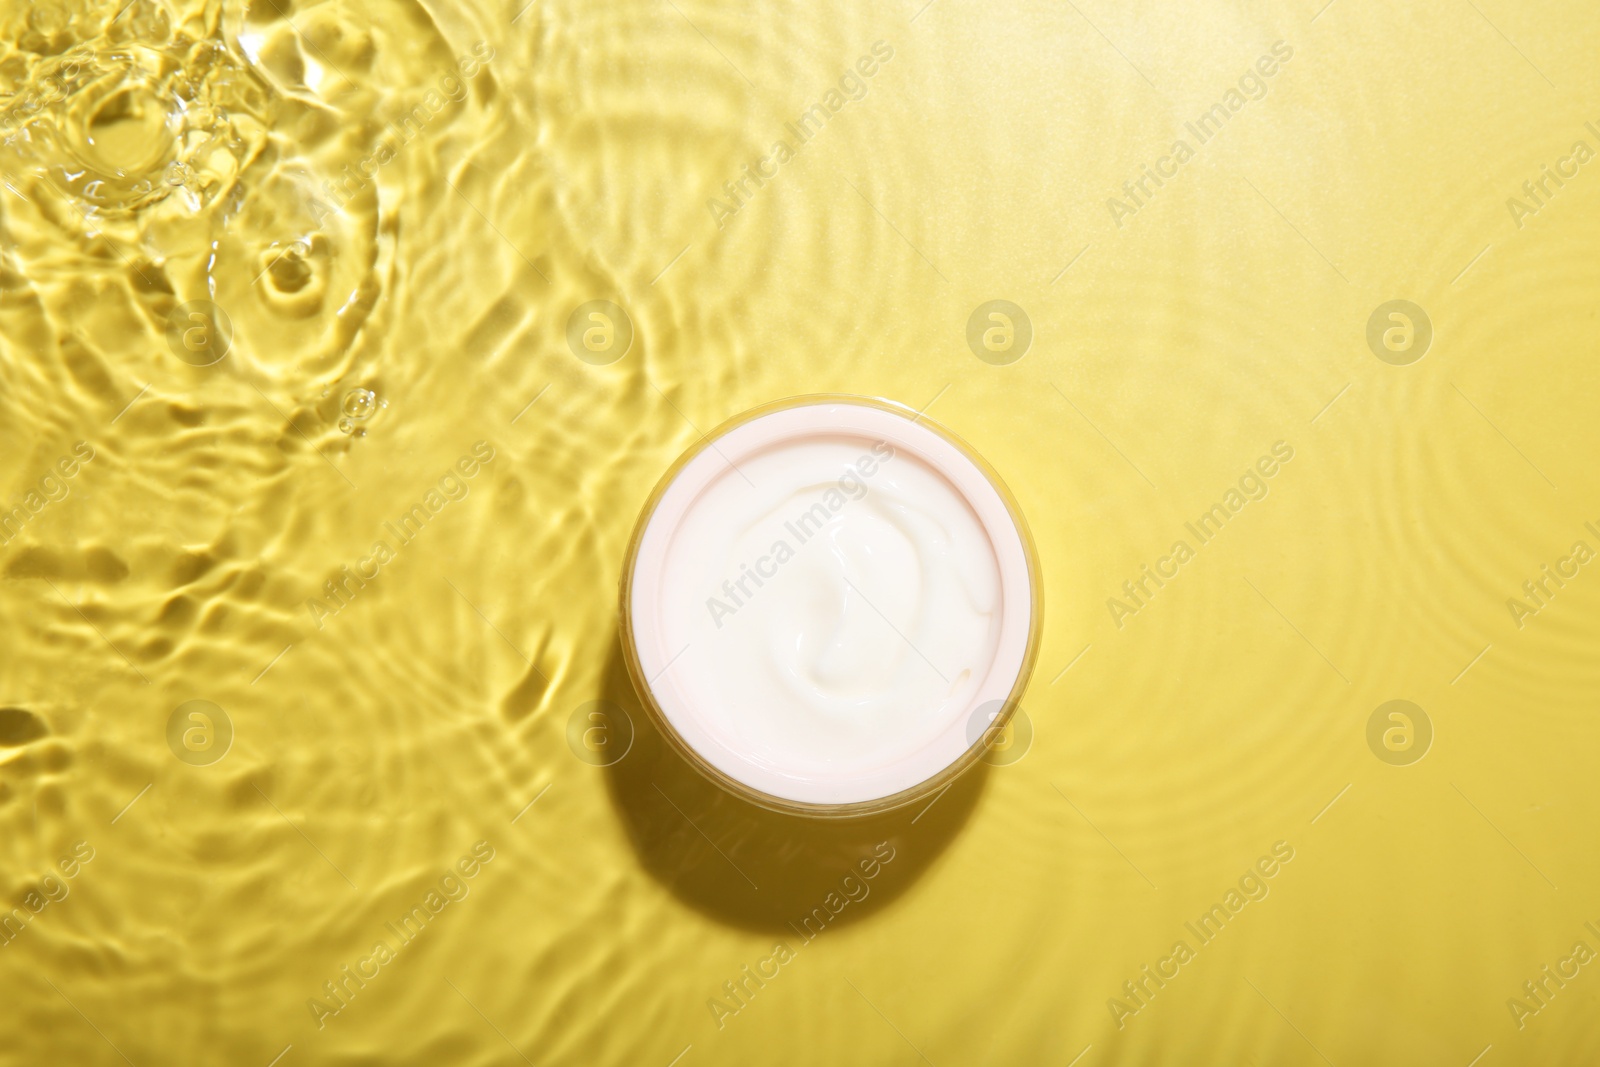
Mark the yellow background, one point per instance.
(375, 746)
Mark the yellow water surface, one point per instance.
(341, 343)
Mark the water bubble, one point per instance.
(360, 403)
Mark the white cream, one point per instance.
(818, 608)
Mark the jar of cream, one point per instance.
(830, 605)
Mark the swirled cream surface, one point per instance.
(823, 610)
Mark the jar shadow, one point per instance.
(762, 870)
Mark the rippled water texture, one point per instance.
(317, 469)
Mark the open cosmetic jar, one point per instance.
(830, 606)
